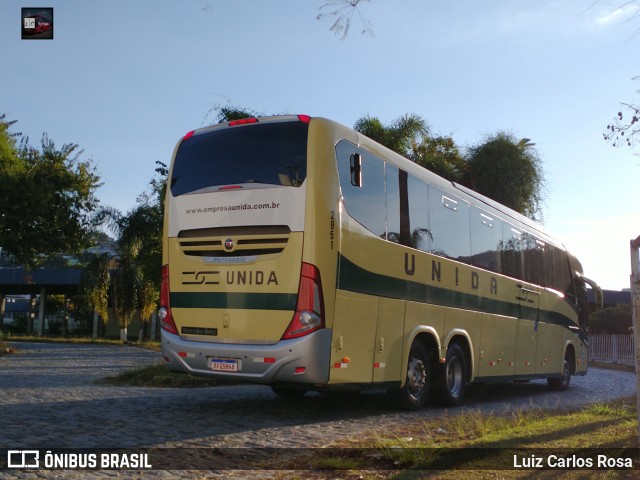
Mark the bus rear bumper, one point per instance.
(300, 360)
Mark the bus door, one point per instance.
(528, 298)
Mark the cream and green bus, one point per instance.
(300, 254)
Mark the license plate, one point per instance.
(224, 365)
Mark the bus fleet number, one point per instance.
(332, 228)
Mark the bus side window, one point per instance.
(486, 237)
(512, 251)
(420, 236)
(449, 225)
(534, 252)
(365, 203)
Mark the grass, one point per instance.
(484, 442)
(158, 376)
(152, 344)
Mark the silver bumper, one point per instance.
(312, 352)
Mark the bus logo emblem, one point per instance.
(228, 244)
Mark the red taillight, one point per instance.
(188, 135)
(309, 315)
(164, 313)
(304, 118)
(242, 121)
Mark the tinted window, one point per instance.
(559, 272)
(449, 222)
(394, 210)
(271, 153)
(534, 251)
(486, 237)
(366, 203)
(512, 251)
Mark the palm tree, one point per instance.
(399, 136)
(131, 279)
(136, 281)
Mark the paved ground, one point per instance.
(49, 399)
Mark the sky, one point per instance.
(126, 79)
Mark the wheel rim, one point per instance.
(416, 377)
(454, 376)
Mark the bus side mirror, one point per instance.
(598, 295)
(356, 170)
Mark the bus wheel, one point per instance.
(450, 379)
(288, 392)
(561, 383)
(416, 388)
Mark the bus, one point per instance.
(300, 254)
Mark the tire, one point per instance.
(561, 383)
(288, 392)
(450, 378)
(414, 394)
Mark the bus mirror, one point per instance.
(598, 295)
(356, 170)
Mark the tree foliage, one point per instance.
(228, 113)
(400, 135)
(130, 281)
(47, 199)
(502, 168)
(94, 286)
(441, 155)
(508, 171)
(625, 128)
(612, 320)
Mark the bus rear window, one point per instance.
(265, 153)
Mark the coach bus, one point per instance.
(301, 254)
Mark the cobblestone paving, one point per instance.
(49, 398)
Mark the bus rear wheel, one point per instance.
(414, 394)
(561, 383)
(450, 379)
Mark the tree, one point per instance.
(440, 155)
(94, 286)
(228, 113)
(612, 320)
(626, 127)
(135, 281)
(47, 199)
(400, 136)
(508, 171)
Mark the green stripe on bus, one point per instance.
(354, 278)
(253, 301)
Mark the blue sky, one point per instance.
(126, 79)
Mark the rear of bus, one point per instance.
(239, 302)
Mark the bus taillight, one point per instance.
(243, 121)
(309, 315)
(164, 312)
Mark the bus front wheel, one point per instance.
(561, 383)
(450, 378)
(416, 389)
